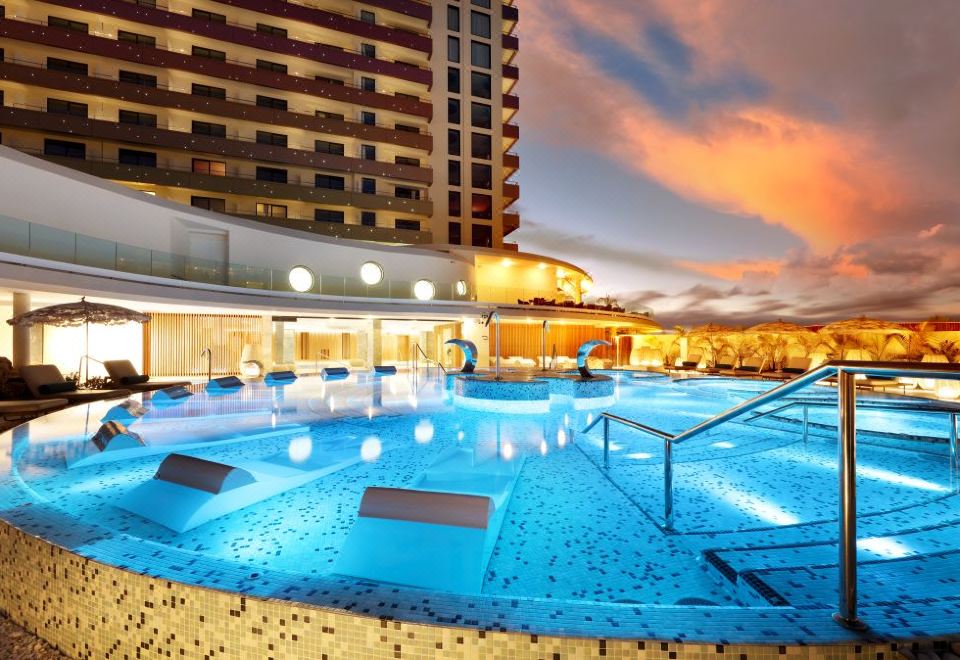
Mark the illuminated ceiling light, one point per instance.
(506, 263)
(301, 279)
(586, 284)
(542, 266)
(371, 273)
(461, 288)
(424, 290)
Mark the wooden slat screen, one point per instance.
(524, 340)
(176, 341)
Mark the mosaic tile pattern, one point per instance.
(580, 554)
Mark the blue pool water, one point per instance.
(572, 547)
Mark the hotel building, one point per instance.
(256, 137)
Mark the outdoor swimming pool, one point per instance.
(571, 548)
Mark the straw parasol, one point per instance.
(778, 327)
(711, 329)
(80, 313)
(864, 324)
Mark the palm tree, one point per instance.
(773, 349)
(808, 342)
(918, 342)
(877, 346)
(839, 343)
(742, 346)
(947, 348)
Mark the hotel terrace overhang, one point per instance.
(66, 232)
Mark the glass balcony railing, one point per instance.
(42, 242)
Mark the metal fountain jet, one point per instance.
(209, 355)
(495, 314)
(543, 345)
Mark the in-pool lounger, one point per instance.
(439, 534)
(187, 491)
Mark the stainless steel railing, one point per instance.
(845, 371)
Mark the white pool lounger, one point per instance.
(438, 535)
(187, 491)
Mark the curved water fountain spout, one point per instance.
(469, 354)
(209, 354)
(584, 352)
(543, 345)
(495, 314)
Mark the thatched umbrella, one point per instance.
(711, 329)
(80, 313)
(778, 327)
(863, 324)
(866, 335)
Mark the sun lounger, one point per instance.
(791, 369)
(21, 411)
(281, 378)
(123, 375)
(718, 367)
(689, 364)
(384, 370)
(334, 373)
(46, 382)
(224, 385)
(750, 368)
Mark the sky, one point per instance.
(745, 160)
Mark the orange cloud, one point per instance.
(735, 270)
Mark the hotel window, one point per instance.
(272, 174)
(453, 172)
(368, 186)
(209, 167)
(480, 54)
(66, 66)
(368, 50)
(271, 102)
(453, 18)
(480, 85)
(454, 234)
(326, 215)
(138, 158)
(144, 3)
(137, 118)
(453, 204)
(481, 146)
(67, 24)
(328, 182)
(323, 114)
(453, 80)
(325, 147)
(482, 236)
(275, 67)
(481, 206)
(481, 176)
(139, 39)
(273, 139)
(209, 16)
(368, 152)
(368, 218)
(207, 90)
(368, 17)
(216, 204)
(209, 53)
(453, 111)
(368, 84)
(480, 115)
(331, 81)
(71, 108)
(453, 142)
(134, 78)
(453, 49)
(368, 118)
(412, 225)
(481, 3)
(277, 211)
(206, 128)
(402, 192)
(406, 160)
(480, 24)
(263, 28)
(64, 149)
(406, 128)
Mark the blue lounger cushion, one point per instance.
(335, 372)
(385, 369)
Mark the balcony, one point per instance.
(511, 161)
(511, 223)
(511, 42)
(511, 131)
(511, 101)
(511, 71)
(511, 193)
(510, 13)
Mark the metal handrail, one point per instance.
(845, 371)
(418, 350)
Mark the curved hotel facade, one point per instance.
(296, 184)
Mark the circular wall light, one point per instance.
(301, 279)
(461, 288)
(424, 290)
(371, 273)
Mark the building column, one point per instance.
(21, 334)
(376, 342)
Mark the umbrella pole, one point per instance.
(86, 351)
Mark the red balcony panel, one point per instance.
(511, 223)
(511, 192)
(179, 141)
(238, 35)
(511, 160)
(510, 71)
(511, 131)
(338, 22)
(510, 13)
(511, 101)
(101, 87)
(405, 7)
(143, 55)
(511, 42)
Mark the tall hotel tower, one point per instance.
(381, 120)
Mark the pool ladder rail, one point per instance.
(846, 372)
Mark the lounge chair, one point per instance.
(718, 367)
(16, 412)
(750, 368)
(691, 363)
(124, 375)
(46, 382)
(791, 369)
